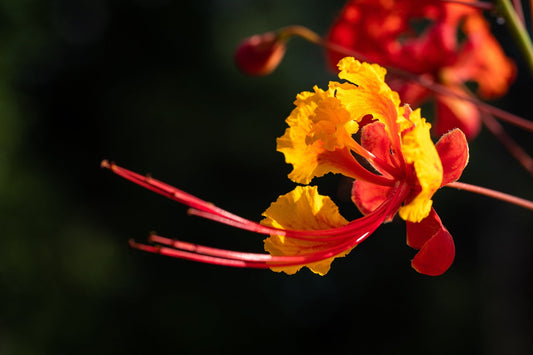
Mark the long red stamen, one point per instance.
(248, 260)
(325, 235)
(208, 210)
(253, 257)
(175, 253)
(392, 171)
(335, 240)
(170, 191)
(352, 168)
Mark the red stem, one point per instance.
(477, 4)
(492, 193)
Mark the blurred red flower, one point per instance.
(448, 43)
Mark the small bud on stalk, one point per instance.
(259, 55)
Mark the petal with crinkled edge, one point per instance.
(302, 209)
(369, 95)
(419, 150)
(320, 130)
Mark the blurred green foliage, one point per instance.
(152, 86)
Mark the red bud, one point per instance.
(260, 54)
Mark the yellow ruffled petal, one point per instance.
(319, 138)
(418, 149)
(370, 95)
(318, 127)
(302, 209)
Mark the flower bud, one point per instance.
(260, 54)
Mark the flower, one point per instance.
(421, 37)
(399, 172)
(407, 168)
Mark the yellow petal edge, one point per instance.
(418, 149)
(302, 209)
(318, 126)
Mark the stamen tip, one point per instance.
(105, 164)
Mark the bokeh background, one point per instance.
(151, 85)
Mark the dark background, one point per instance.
(151, 85)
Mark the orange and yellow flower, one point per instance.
(421, 37)
(407, 167)
(402, 170)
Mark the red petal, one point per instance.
(367, 196)
(419, 233)
(437, 249)
(453, 152)
(375, 139)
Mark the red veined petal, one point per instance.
(374, 138)
(367, 196)
(437, 249)
(453, 152)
